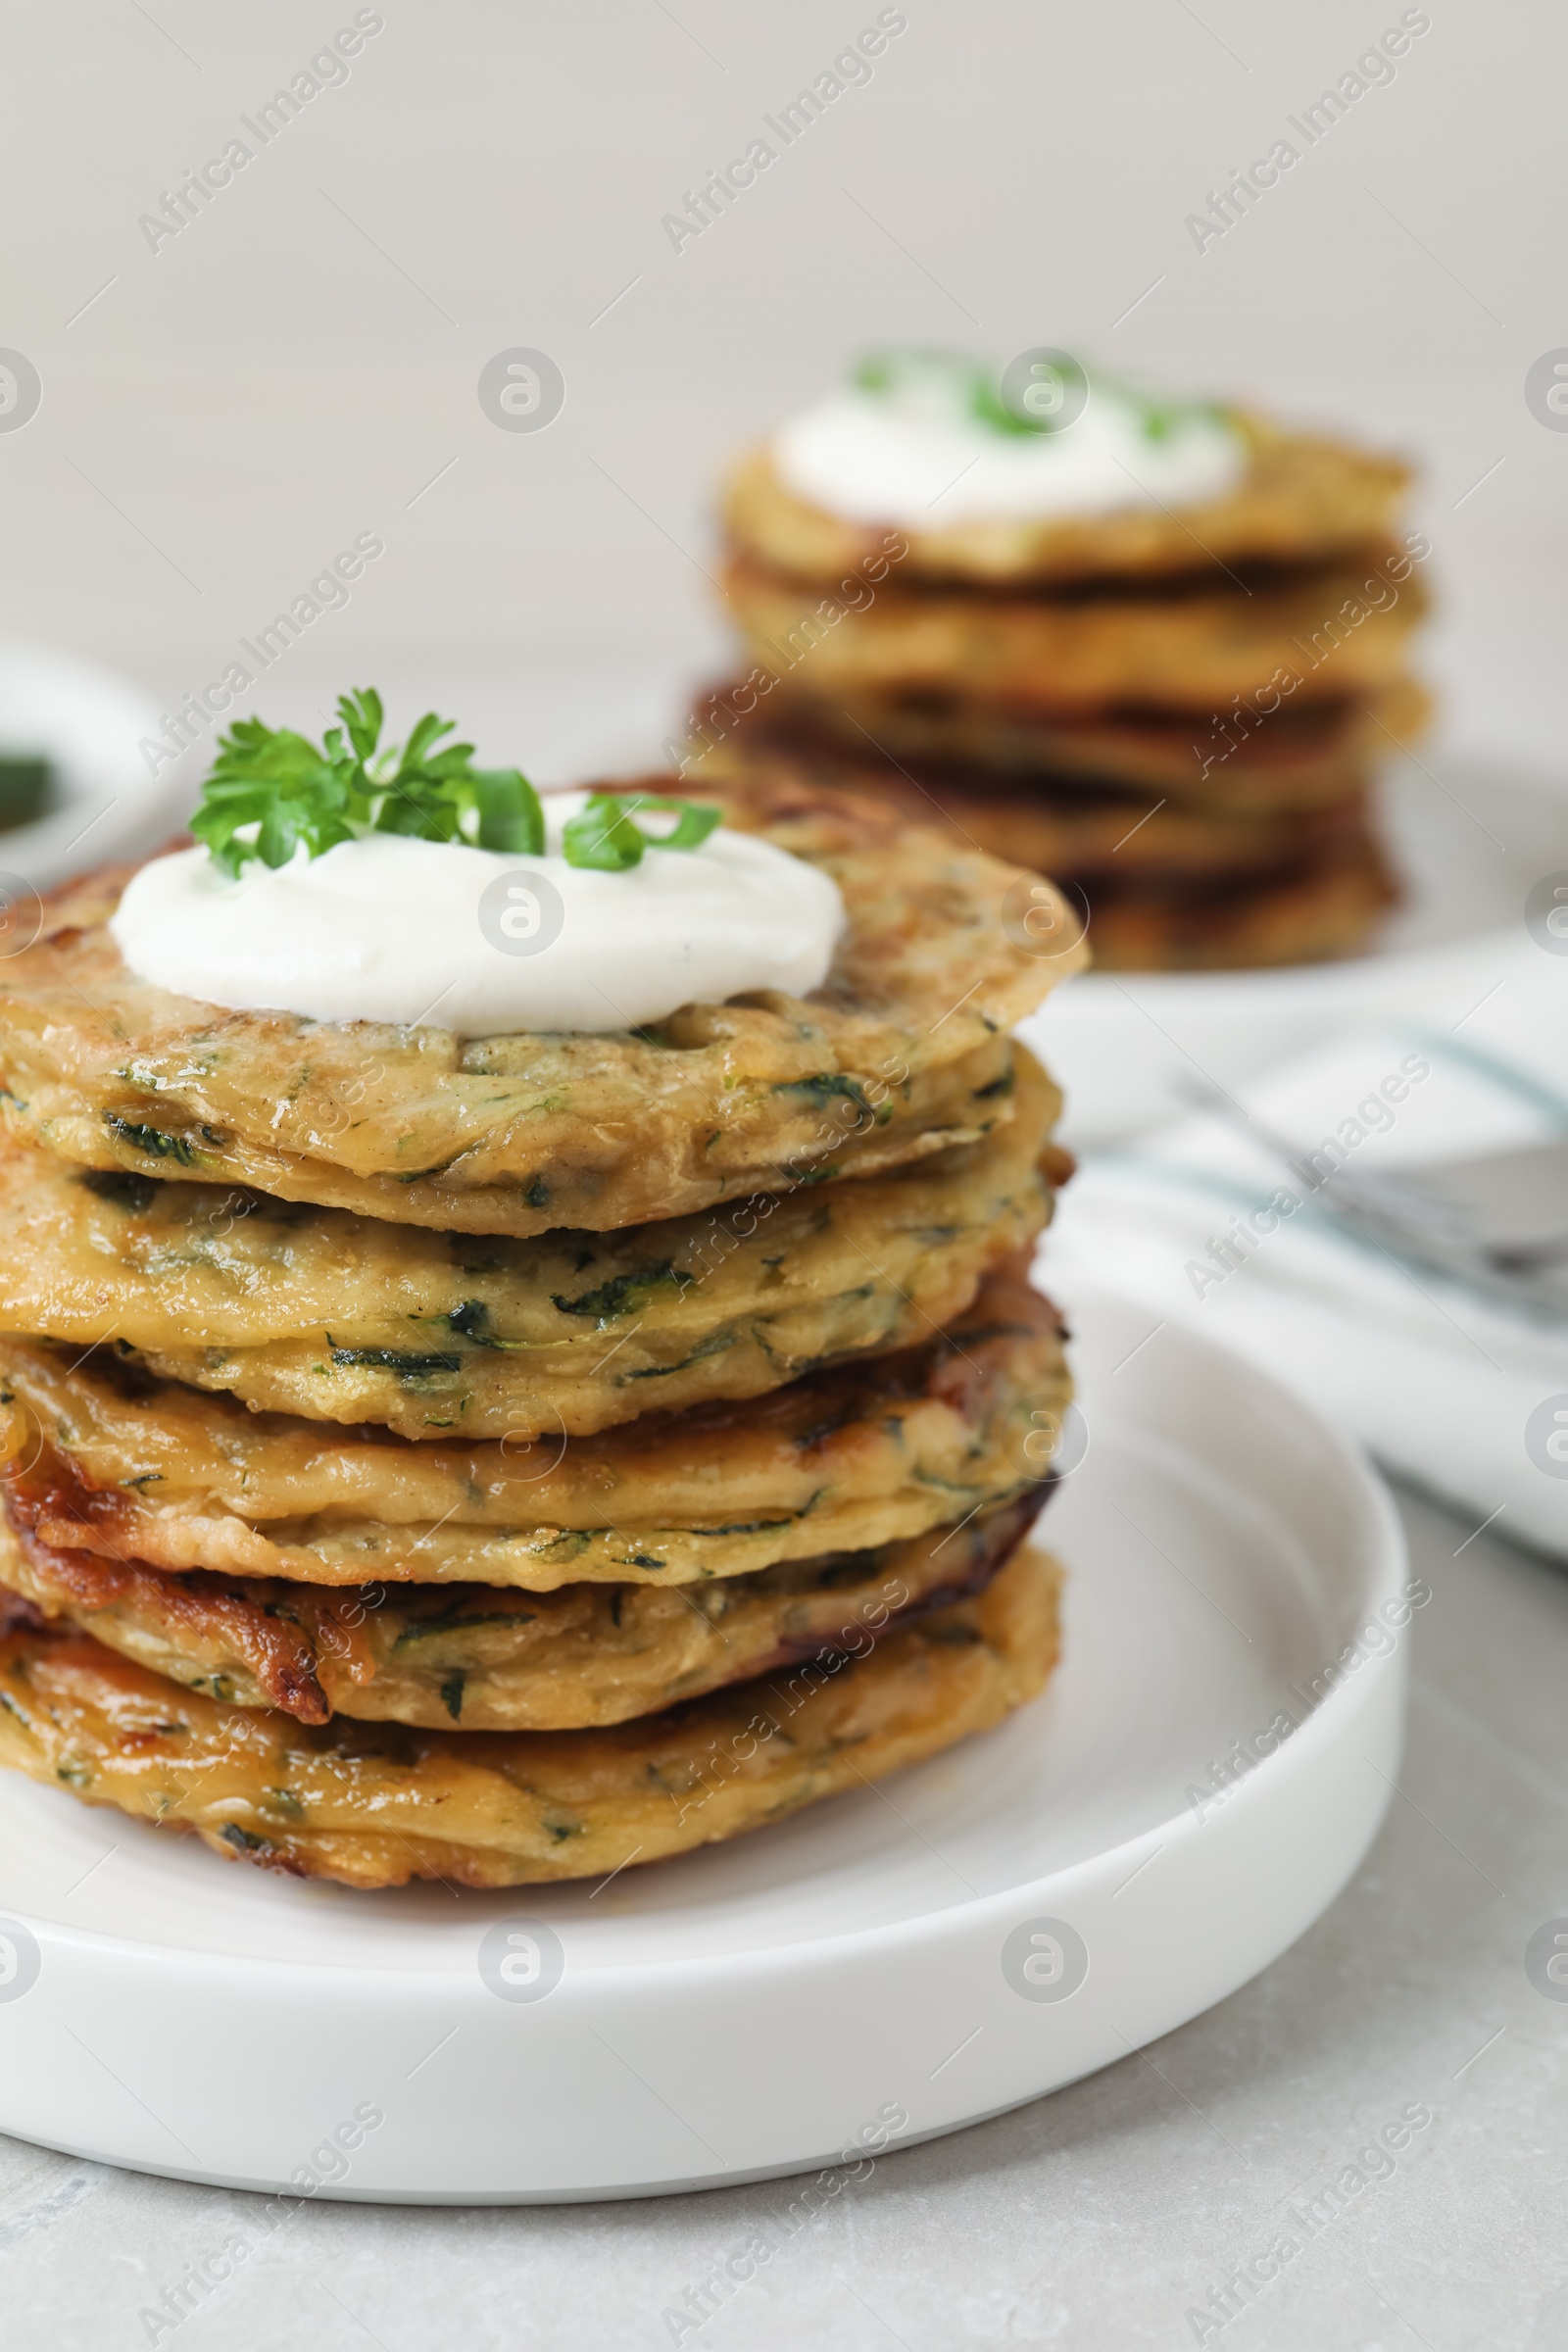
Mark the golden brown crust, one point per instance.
(843, 1459)
(1165, 889)
(486, 1658)
(1325, 910)
(891, 1059)
(1302, 500)
(1300, 755)
(375, 1806)
(316, 1312)
(1088, 833)
(1344, 628)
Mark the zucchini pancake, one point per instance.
(566, 1437)
(1155, 649)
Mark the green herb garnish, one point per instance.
(947, 382)
(1006, 413)
(272, 792)
(903, 367)
(605, 833)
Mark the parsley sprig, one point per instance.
(945, 378)
(606, 834)
(946, 383)
(272, 792)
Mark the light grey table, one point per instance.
(1094, 2220)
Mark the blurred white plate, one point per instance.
(900, 1962)
(1470, 845)
(88, 723)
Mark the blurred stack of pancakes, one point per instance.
(512, 1458)
(1175, 710)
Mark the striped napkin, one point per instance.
(1459, 1395)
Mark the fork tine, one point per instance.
(1398, 1214)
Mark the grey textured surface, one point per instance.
(1100, 2217)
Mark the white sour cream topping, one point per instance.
(390, 929)
(928, 466)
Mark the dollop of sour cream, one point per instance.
(385, 928)
(915, 455)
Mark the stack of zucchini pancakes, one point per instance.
(508, 1458)
(1173, 700)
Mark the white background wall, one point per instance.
(299, 362)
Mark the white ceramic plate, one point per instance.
(898, 1963)
(1470, 844)
(89, 723)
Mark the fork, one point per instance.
(1497, 1222)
